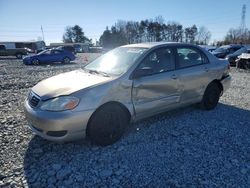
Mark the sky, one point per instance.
(21, 20)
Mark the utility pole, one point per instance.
(42, 32)
(243, 23)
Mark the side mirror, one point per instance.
(138, 73)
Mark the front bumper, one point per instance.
(64, 126)
(226, 82)
(26, 61)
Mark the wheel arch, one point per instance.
(122, 106)
(218, 83)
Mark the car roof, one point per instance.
(231, 45)
(154, 44)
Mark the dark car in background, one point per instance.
(232, 57)
(49, 56)
(67, 48)
(243, 61)
(208, 47)
(223, 51)
(18, 52)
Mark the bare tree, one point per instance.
(203, 35)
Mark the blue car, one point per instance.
(49, 56)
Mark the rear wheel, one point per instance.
(35, 62)
(66, 60)
(211, 96)
(107, 125)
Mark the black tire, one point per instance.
(246, 65)
(19, 56)
(35, 62)
(66, 60)
(107, 125)
(211, 96)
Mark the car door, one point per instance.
(56, 55)
(193, 70)
(44, 57)
(159, 88)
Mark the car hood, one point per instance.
(30, 56)
(67, 83)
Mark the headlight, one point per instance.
(60, 104)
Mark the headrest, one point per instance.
(193, 56)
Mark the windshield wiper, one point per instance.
(97, 72)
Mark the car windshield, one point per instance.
(240, 51)
(44, 52)
(221, 49)
(115, 62)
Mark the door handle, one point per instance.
(206, 69)
(174, 77)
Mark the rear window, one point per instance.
(188, 57)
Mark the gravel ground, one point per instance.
(182, 148)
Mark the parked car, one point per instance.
(223, 51)
(32, 46)
(232, 57)
(18, 52)
(124, 85)
(67, 48)
(209, 48)
(243, 61)
(49, 56)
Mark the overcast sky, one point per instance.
(22, 20)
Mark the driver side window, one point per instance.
(160, 60)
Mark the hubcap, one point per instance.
(35, 62)
(66, 60)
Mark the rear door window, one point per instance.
(188, 57)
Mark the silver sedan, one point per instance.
(127, 84)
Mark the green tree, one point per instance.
(74, 34)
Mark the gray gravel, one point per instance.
(182, 148)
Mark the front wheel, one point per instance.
(107, 125)
(66, 60)
(35, 62)
(211, 96)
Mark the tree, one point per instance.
(68, 35)
(203, 36)
(173, 32)
(190, 34)
(74, 34)
(105, 39)
(236, 36)
(151, 30)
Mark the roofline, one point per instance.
(21, 41)
(155, 44)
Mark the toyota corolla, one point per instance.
(127, 84)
